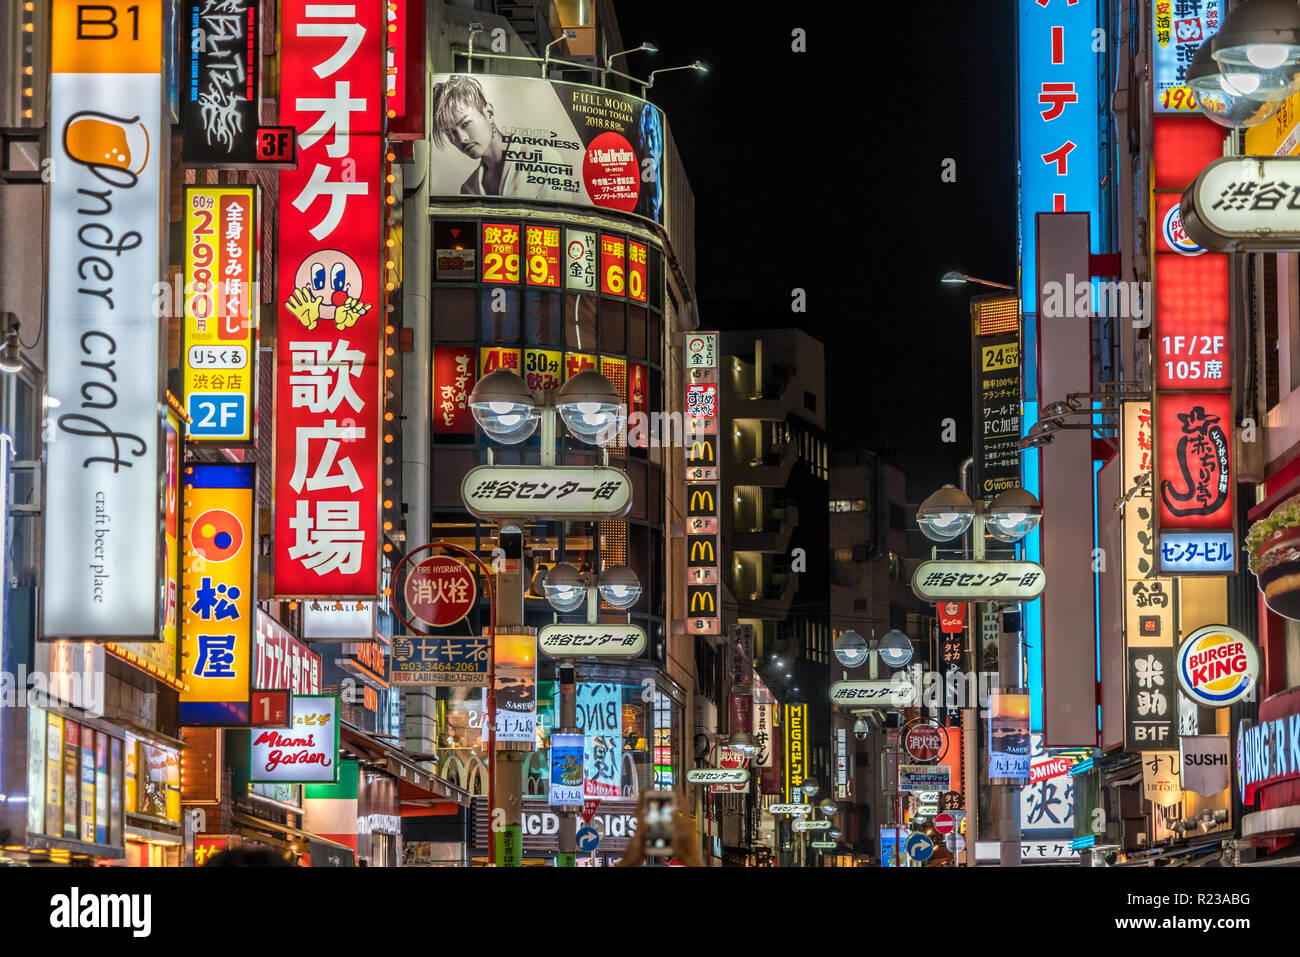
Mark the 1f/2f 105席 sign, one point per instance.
(597, 494)
(591, 641)
(978, 581)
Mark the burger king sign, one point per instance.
(1217, 665)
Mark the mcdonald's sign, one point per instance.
(701, 500)
(703, 601)
(701, 451)
(701, 550)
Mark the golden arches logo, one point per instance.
(698, 499)
(704, 599)
(703, 551)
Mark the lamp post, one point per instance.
(954, 277)
(1258, 49)
(1012, 515)
(505, 410)
(697, 66)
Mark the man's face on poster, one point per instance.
(472, 132)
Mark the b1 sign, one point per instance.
(103, 515)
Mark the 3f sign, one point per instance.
(98, 21)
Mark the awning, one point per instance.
(277, 832)
(416, 782)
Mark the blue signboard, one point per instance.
(566, 770)
(600, 716)
(889, 853)
(440, 660)
(1184, 552)
(588, 839)
(1178, 30)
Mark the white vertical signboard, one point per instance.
(103, 518)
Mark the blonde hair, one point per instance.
(450, 97)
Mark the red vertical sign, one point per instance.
(612, 279)
(453, 379)
(330, 309)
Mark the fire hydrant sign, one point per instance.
(307, 753)
(440, 591)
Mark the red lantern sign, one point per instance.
(440, 591)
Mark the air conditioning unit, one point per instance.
(706, 715)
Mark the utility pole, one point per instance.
(567, 834)
(507, 809)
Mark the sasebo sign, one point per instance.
(978, 581)
(598, 493)
(811, 825)
(1217, 666)
(893, 694)
(591, 641)
(718, 776)
(797, 809)
(1245, 202)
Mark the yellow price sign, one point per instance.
(1003, 356)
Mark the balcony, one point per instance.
(772, 470)
(773, 538)
(772, 404)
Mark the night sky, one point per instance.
(821, 170)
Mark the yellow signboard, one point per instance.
(220, 310)
(217, 594)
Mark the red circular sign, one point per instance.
(925, 742)
(610, 172)
(440, 591)
(944, 822)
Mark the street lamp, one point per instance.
(647, 46)
(11, 359)
(1013, 514)
(546, 54)
(503, 407)
(589, 405)
(1258, 49)
(946, 514)
(810, 787)
(851, 649)
(954, 277)
(566, 588)
(697, 66)
(1217, 99)
(895, 649)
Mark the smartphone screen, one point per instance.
(657, 839)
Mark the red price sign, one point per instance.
(500, 252)
(612, 278)
(636, 256)
(543, 247)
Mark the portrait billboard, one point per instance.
(536, 139)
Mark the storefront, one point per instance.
(1268, 777)
(614, 822)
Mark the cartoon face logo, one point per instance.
(327, 285)
(333, 276)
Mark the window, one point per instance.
(843, 554)
(810, 401)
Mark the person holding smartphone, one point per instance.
(663, 832)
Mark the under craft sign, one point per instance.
(599, 493)
(102, 514)
(1245, 202)
(591, 641)
(978, 581)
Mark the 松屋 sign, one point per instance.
(217, 607)
(591, 641)
(978, 581)
(307, 753)
(1245, 203)
(597, 493)
(330, 303)
(102, 515)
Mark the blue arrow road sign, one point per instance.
(919, 847)
(588, 839)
